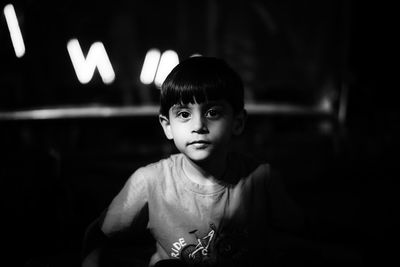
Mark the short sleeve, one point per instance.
(263, 175)
(129, 207)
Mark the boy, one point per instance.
(207, 205)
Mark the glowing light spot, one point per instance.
(325, 104)
(150, 66)
(96, 57)
(15, 31)
(169, 59)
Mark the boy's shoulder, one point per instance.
(246, 161)
(245, 165)
(159, 167)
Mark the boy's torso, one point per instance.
(221, 223)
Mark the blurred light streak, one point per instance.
(169, 59)
(265, 17)
(96, 57)
(342, 112)
(150, 66)
(77, 112)
(15, 31)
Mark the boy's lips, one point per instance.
(199, 142)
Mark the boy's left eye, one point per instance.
(213, 113)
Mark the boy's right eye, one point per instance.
(183, 114)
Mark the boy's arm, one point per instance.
(121, 225)
(93, 241)
(286, 214)
(287, 222)
(129, 207)
(99, 249)
(291, 236)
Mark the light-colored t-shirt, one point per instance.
(222, 223)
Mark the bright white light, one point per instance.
(325, 103)
(169, 59)
(15, 31)
(96, 57)
(150, 66)
(103, 62)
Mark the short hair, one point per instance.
(202, 79)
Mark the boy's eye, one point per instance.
(183, 114)
(213, 113)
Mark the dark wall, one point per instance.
(56, 176)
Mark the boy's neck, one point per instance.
(205, 173)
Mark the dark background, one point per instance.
(58, 174)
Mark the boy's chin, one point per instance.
(202, 157)
(198, 158)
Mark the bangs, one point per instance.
(200, 80)
(190, 93)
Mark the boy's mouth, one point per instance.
(199, 143)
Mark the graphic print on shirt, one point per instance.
(226, 247)
(196, 253)
(177, 246)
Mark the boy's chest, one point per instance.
(193, 226)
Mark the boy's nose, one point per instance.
(199, 125)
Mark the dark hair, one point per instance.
(202, 79)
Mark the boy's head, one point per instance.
(202, 79)
(201, 108)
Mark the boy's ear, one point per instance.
(239, 122)
(164, 121)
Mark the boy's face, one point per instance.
(203, 131)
